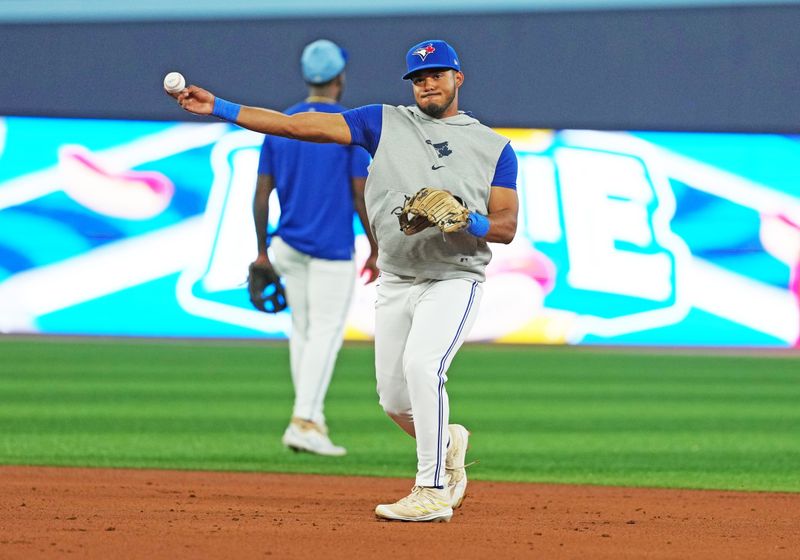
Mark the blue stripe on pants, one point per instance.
(439, 373)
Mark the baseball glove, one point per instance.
(265, 287)
(432, 207)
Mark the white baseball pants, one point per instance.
(319, 292)
(419, 326)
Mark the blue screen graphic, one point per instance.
(631, 238)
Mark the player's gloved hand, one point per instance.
(265, 288)
(432, 207)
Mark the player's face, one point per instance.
(436, 91)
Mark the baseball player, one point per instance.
(430, 284)
(319, 187)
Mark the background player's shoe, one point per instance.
(454, 464)
(303, 435)
(423, 504)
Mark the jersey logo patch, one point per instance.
(442, 149)
(423, 52)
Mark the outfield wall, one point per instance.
(143, 228)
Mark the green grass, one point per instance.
(537, 414)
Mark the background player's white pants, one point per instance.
(419, 326)
(319, 292)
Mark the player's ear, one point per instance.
(459, 76)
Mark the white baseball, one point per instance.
(174, 82)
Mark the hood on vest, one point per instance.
(461, 119)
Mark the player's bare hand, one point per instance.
(262, 260)
(196, 100)
(370, 269)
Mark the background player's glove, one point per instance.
(432, 207)
(266, 291)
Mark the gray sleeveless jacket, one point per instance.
(457, 154)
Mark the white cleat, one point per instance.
(303, 435)
(423, 504)
(454, 464)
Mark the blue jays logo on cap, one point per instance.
(431, 54)
(422, 52)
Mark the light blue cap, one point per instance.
(322, 61)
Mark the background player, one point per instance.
(319, 186)
(430, 285)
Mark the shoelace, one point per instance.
(418, 494)
(457, 474)
(463, 466)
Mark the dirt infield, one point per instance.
(116, 513)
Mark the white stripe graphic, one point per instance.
(105, 270)
(743, 300)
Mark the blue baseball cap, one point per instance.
(431, 54)
(322, 61)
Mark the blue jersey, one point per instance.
(314, 189)
(365, 128)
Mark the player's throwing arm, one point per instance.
(312, 127)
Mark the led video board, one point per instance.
(645, 238)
